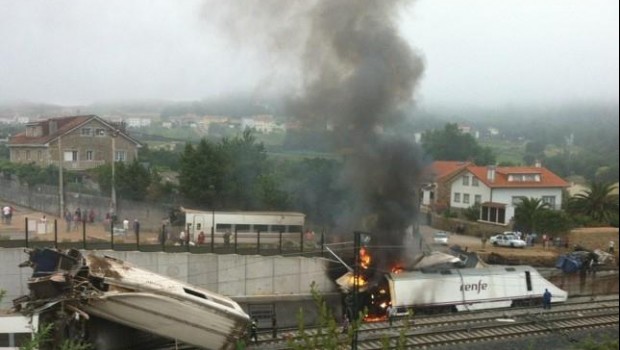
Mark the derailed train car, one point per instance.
(108, 303)
(444, 290)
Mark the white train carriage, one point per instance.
(470, 289)
(271, 225)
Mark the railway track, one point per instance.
(474, 327)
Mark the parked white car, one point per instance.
(441, 237)
(508, 240)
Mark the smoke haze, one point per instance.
(356, 74)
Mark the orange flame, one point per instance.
(359, 280)
(364, 258)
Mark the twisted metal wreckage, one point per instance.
(110, 303)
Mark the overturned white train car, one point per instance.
(469, 289)
(101, 293)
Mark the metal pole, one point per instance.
(55, 233)
(61, 190)
(257, 241)
(112, 233)
(113, 194)
(26, 226)
(356, 269)
(280, 243)
(213, 228)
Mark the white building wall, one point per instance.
(458, 187)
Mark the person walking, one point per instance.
(547, 299)
(253, 330)
(274, 327)
(610, 250)
(126, 226)
(136, 227)
(390, 314)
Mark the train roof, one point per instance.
(484, 271)
(243, 212)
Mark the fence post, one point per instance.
(112, 234)
(257, 241)
(84, 240)
(55, 233)
(163, 237)
(323, 243)
(26, 226)
(212, 238)
(235, 239)
(301, 241)
(280, 242)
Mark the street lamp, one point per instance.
(114, 134)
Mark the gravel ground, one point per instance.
(557, 341)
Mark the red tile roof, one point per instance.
(64, 124)
(443, 168)
(547, 178)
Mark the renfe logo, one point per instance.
(466, 287)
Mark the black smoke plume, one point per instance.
(356, 77)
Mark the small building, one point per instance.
(77, 142)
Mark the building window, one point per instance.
(87, 132)
(70, 156)
(524, 178)
(465, 180)
(466, 198)
(457, 197)
(120, 156)
(89, 155)
(27, 154)
(100, 132)
(39, 155)
(474, 181)
(477, 199)
(549, 200)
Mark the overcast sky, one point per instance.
(477, 52)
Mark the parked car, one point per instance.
(509, 240)
(441, 237)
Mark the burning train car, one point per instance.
(469, 289)
(110, 303)
(440, 282)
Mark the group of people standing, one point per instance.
(76, 218)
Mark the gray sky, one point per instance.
(477, 52)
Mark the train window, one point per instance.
(242, 228)
(278, 228)
(195, 293)
(261, 228)
(528, 281)
(297, 229)
(510, 269)
(223, 227)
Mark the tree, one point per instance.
(527, 213)
(451, 144)
(228, 174)
(131, 180)
(598, 202)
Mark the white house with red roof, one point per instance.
(500, 189)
